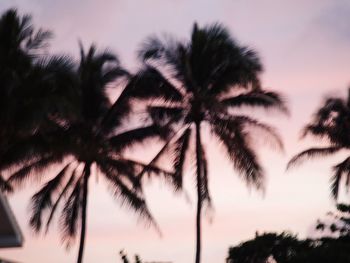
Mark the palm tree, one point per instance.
(331, 122)
(94, 140)
(199, 83)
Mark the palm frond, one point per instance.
(149, 83)
(30, 148)
(237, 143)
(335, 183)
(96, 71)
(18, 33)
(204, 188)
(43, 198)
(151, 169)
(331, 121)
(71, 214)
(112, 74)
(34, 170)
(121, 168)
(54, 78)
(311, 153)
(130, 197)
(69, 184)
(339, 170)
(264, 130)
(151, 48)
(22, 152)
(257, 98)
(166, 147)
(316, 130)
(129, 138)
(116, 113)
(181, 146)
(39, 40)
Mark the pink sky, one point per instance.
(305, 47)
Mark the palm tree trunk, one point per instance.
(199, 197)
(87, 172)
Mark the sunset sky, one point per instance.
(305, 49)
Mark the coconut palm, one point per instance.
(94, 140)
(198, 83)
(331, 122)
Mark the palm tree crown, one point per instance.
(331, 122)
(201, 81)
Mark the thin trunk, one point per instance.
(87, 171)
(199, 197)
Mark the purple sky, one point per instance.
(305, 47)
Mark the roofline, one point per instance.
(16, 241)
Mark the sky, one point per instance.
(305, 49)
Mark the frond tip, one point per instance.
(311, 153)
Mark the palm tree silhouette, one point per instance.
(200, 82)
(331, 122)
(92, 139)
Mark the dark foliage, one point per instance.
(331, 122)
(286, 248)
(338, 222)
(125, 259)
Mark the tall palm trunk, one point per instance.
(199, 196)
(87, 171)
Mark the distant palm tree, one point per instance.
(94, 140)
(331, 122)
(199, 83)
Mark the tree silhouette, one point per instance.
(331, 122)
(92, 139)
(340, 221)
(199, 83)
(286, 248)
(125, 259)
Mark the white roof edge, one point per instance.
(18, 240)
